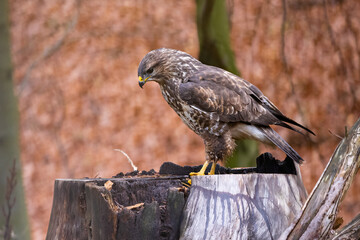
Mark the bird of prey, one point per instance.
(216, 104)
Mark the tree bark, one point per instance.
(132, 208)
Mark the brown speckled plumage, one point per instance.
(216, 104)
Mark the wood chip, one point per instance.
(108, 185)
(135, 206)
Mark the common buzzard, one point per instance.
(217, 105)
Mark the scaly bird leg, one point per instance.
(202, 170)
(212, 170)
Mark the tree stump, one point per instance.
(239, 204)
(265, 202)
(243, 206)
(134, 208)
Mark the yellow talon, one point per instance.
(202, 170)
(212, 170)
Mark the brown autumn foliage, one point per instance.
(75, 69)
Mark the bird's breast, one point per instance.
(171, 97)
(201, 122)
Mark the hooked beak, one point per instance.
(142, 81)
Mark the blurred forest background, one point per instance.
(75, 74)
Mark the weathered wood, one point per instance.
(319, 213)
(139, 207)
(67, 220)
(134, 208)
(244, 206)
(350, 232)
(101, 212)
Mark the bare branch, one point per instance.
(319, 211)
(10, 201)
(128, 158)
(350, 231)
(334, 134)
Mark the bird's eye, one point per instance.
(150, 71)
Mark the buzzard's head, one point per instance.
(162, 65)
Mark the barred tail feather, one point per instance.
(275, 138)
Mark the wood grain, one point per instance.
(249, 206)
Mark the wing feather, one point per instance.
(232, 98)
(218, 92)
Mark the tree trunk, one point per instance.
(243, 206)
(13, 217)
